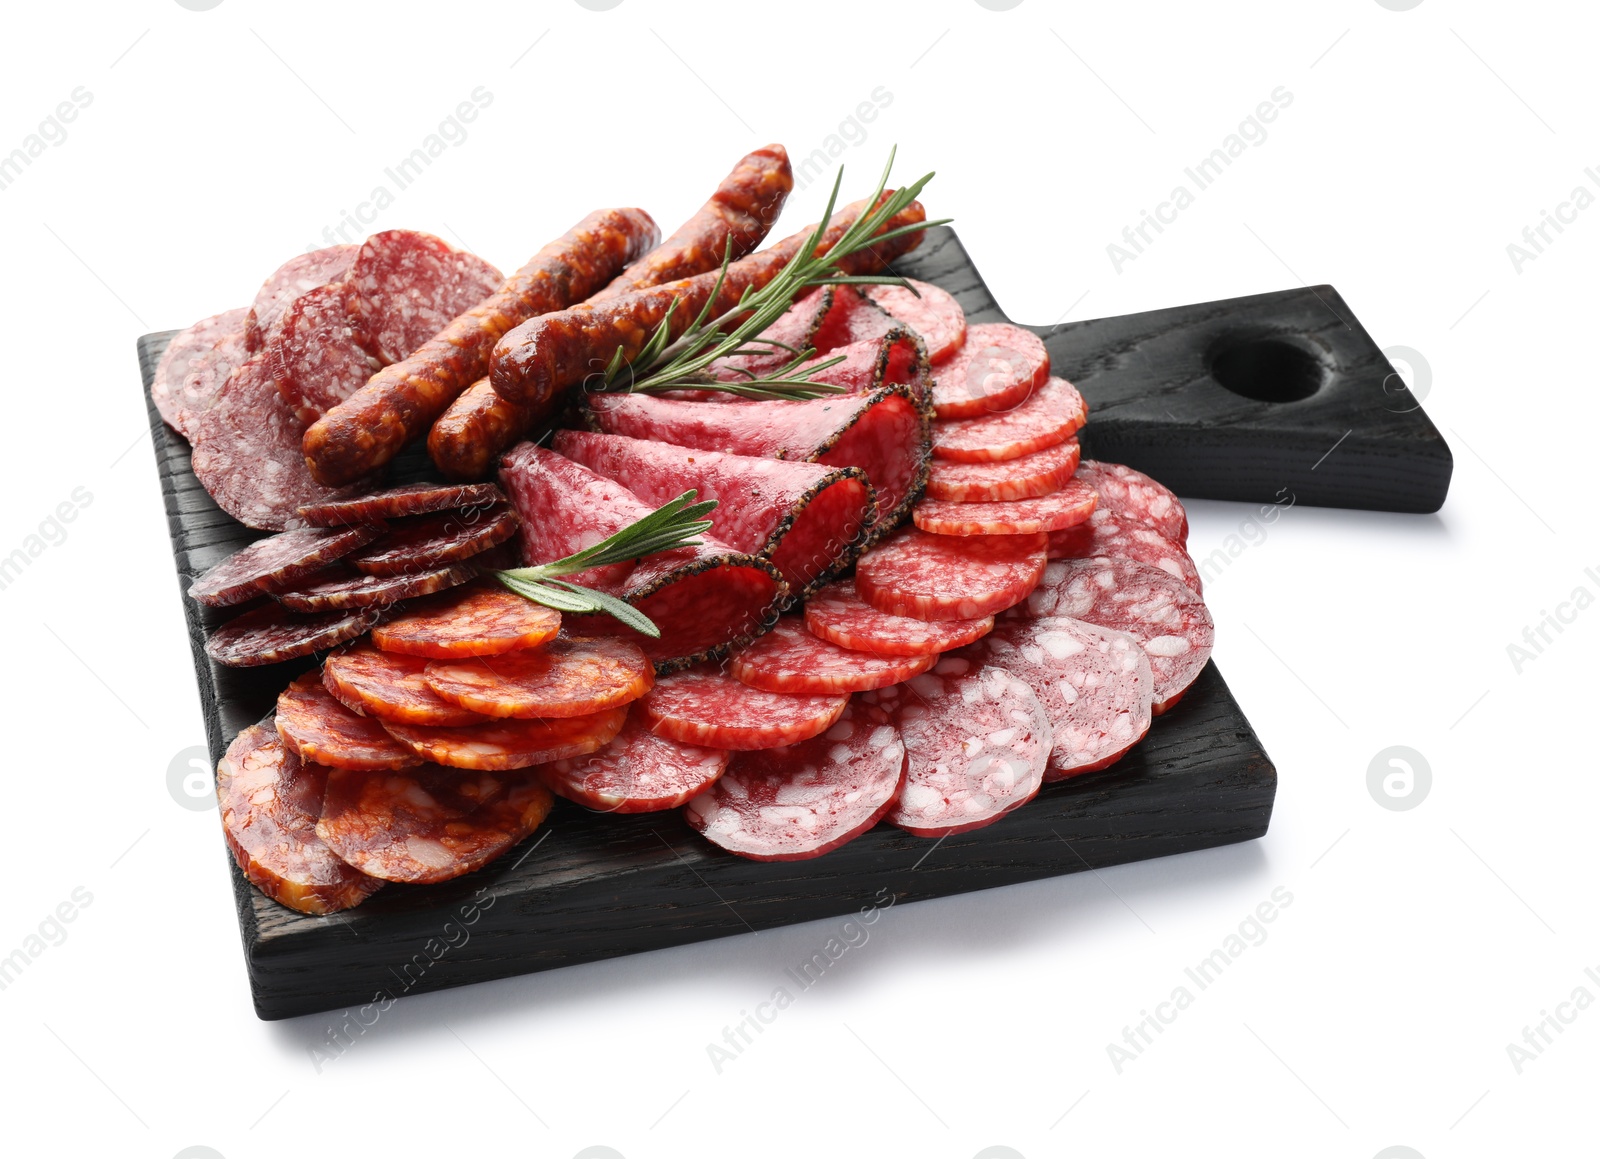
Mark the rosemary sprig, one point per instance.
(666, 363)
(669, 526)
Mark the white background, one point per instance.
(1418, 944)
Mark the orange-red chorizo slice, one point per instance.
(390, 685)
(478, 620)
(706, 707)
(323, 731)
(567, 677)
(510, 744)
(638, 772)
(950, 577)
(1068, 507)
(791, 659)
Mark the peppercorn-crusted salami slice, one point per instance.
(274, 563)
(853, 317)
(1137, 497)
(270, 803)
(932, 313)
(510, 744)
(322, 730)
(996, 369)
(804, 800)
(340, 587)
(1067, 507)
(839, 615)
(412, 499)
(194, 366)
(977, 742)
(706, 707)
(271, 634)
(896, 358)
(313, 355)
(778, 343)
(638, 772)
(805, 518)
(1026, 478)
(299, 275)
(1170, 622)
(950, 577)
(790, 659)
(481, 619)
(1106, 533)
(566, 677)
(423, 542)
(1051, 415)
(406, 286)
(1096, 685)
(390, 685)
(428, 824)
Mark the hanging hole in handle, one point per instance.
(1267, 369)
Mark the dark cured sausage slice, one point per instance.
(1170, 622)
(1095, 684)
(481, 620)
(270, 803)
(340, 587)
(790, 659)
(313, 355)
(194, 366)
(805, 800)
(1026, 478)
(510, 744)
(270, 634)
(405, 286)
(930, 312)
(1068, 507)
(390, 685)
(1106, 533)
(997, 368)
(423, 542)
(321, 730)
(299, 275)
(1053, 414)
(430, 824)
(274, 563)
(950, 577)
(839, 615)
(412, 499)
(566, 677)
(706, 707)
(639, 772)
(1137, 497)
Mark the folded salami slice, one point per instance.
(390, 685)
(1137, 497)
(194, 366)
(997, 368)
(790, 659)
(341, 587)
(270, 803)
(1095, 684)
(271, 564)
(299, 275)
(1170, 622)
(884, 433)
(930, 312)
(1067, 507)
(314, 356)
(853, 317)
(423, 542)
(1051, 415)
(272, 634)
(638, 772)
(804, 800)
(1107, 533)
(702, 599)
(323, 731)
(805, 518)
(707, 707)
(481, 619)
(510, 744)
(412, 499)
(428, 824)
(841, 616)
(950, 577)
(406, 286)
(780, 342)
(566, 677)
(894, 359)
(1026, 478)
(977, 743)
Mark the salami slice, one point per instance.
(706, 707)
(894, 359)
(805, 518)
(412, 499)
(390, 685)
(807, 799)
(995, 370)
(406, 286)
(790, 659)
(430, 824)
(638, 772)
(839, 615)
(270, 803)
(276, 562)
(1095, 684)
(510, 744)
(1170, 622)
(977, 743)
(1053, 414)
(194, 366)
(342, 588)
(1068, 507)
(1026, 478)
(780, 342)
(314, 356)
(272, 634)
(566, 677)
(323, 731)
(950, 577)
(853, 317)
(482, 619)
(931, 312)
(299, 275)
(247, 453)
(423, 542)
(1106, 533)
(1137, 497)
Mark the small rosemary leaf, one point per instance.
(544, 594)
(617, 609)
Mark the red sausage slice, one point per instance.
(566, 677)
(1106, 533)
(705, 707)
(390, 685)
(510, 744)
(422, 542)
(339, 587)
(790, 659)
(997, 368)
(1026, 478)
(412, 499)
(313, 355)
(299, 275)
(839, 615)
(477, 620)
(1054, 413)
(933, 314)
(194, 366)
(950, 577)
(639, 772)
(1068, 507)
(323, 731)
(271, 634)
(274, 563)
(1137, 497)
(406, 286)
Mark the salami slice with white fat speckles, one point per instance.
(313, 354)
(406, 286)
(1170, 622)
(995, 370)
(299, 275)
(802, 801)
(977, 743)
(1137, 497)
(322, 730)
(932, 313)
(1054, 413)
(949, 577)
(788, 658)
(194, 366)
(638, 772)
(1107, 533)
(272, 634)
(423, 542)
(1026, 478)
(1095, 683)
(411, 499)
(839, 615)
(271, 564)
(706, 707)
(1070, 505)
(340, 587)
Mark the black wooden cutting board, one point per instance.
(591, 886)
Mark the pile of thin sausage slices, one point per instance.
(915, 605)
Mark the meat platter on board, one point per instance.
(759, 587)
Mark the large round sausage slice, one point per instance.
(639, 772)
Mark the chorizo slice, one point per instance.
(566, 677)
(638, 772)
(323, 731)
(391, 686)
(510, 744)
(705, 707)
(481, 619)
